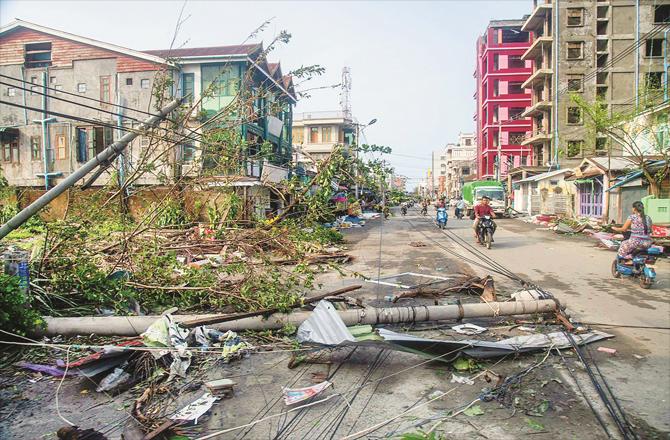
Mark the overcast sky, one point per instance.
(411, 62)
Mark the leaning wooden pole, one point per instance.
(135, 325)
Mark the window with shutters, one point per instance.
(105, 88)
(10, 151)
(35, 147)
(325, 134)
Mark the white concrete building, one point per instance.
(460, 163)
(315, 134)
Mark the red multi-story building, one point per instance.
(501, 99)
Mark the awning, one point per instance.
(9, 132)
(627, 178)
(543, 176)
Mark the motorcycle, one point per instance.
(403, 210)
(640, 266)
(458, 213)
(441, 218)
(424, 210)
(485, 231)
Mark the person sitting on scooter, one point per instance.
(481, 210)
(640, 229)
(460, 207)
(441, 203)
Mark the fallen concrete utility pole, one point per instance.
(100, 159)
(135, 325)
(236, 316)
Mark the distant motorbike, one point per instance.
(458, 213)
(441, 218)
(424, 210)
(403, 210)
(485, 231)
(640, 266)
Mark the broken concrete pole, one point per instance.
(135, 325)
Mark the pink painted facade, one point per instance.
(500, 99)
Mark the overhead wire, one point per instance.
(611, 403)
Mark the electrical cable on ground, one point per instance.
(614, 409)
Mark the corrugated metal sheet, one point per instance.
(324, 326)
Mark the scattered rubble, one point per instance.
(593, 228)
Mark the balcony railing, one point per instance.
(536, 136)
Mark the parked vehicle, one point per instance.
(485, 231)
(640, 266)
(494, 190)
(441, 218)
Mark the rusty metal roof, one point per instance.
(241, 49)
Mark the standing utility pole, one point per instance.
(45, 130)
(101, 158)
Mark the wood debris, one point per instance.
(473, 285)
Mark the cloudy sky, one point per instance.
(411, 62)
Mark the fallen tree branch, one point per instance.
(232, 317)
(441, 288)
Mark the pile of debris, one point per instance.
(157, 362)
(591, 227)
(164, 349)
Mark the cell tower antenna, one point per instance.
(345, 92)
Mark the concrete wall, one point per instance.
(557, 196)
(88, 72)
(195, 201)
(618, 77)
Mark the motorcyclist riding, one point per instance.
(460, 207)
(481, 210)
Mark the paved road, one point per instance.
(578, 273)
(572, 268)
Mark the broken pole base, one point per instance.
(135, 325)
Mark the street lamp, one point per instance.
(358, 133)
